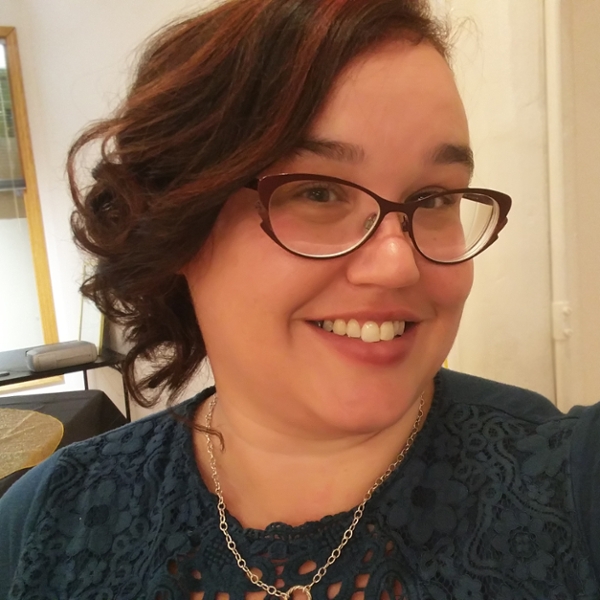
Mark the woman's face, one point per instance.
(395, 124)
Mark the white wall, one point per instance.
(76, 58)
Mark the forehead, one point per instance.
(402, 96)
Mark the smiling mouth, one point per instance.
(369, 332)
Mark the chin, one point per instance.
(365, 408)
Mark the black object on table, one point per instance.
(13, 369)
(83, 413)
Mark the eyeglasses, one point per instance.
(321, 217)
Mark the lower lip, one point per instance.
(375, 353)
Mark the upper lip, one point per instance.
(376, 315)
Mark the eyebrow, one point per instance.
(341, 151)
(445, 154)
(449, 154)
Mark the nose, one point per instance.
(388, 259)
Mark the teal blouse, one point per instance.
(499, 498)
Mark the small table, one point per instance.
(83, 413)
(13, 363)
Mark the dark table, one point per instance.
(83, 413)
(13, 369)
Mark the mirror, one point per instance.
(27, 315)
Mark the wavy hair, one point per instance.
(216, 99)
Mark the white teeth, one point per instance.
(399, 327)
(339, 327)
(353, 329)
(370, 332)
(387, 331)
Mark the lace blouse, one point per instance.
(497, 499)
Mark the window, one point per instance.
(26, 307)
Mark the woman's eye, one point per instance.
(436, 202)
(420, 196)
(432, 200)
(320, 194)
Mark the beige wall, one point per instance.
(582, 136)
(499, 61)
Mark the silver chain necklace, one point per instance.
(335, 554)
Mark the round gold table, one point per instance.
(27, 438)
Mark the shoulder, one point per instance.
(585, 467)
(96, 486)
(18, 508)
(459, 394)
(461, 389)
(131, 450)
(122, 452)
(530, 428)
(550, 459)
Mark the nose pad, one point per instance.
(369, 222)
(403, 222)
(372, 219)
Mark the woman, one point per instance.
(284, 191)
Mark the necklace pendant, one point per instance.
(289, 595)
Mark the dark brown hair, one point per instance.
(216, 99)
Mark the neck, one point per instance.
(267, 476)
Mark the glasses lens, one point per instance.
(321, 218)
(453, 227)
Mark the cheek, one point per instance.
(243, 281)
(217, 276)
(449, 286)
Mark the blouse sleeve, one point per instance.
(585, 466)
(18, 513)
